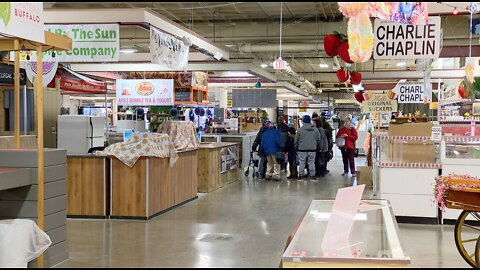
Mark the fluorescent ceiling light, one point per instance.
(323, 65)
(263, 65)
(128, 50)
(401, 64)
(238, 73)
(229, 45)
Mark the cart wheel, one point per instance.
(466, 237)
(477, 253)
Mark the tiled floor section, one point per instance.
(244, 224)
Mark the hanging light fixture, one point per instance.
(455, 11)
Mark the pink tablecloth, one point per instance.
(182, 134)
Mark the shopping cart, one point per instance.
(463, 193)
(252, 163)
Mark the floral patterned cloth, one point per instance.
(183, 134)
(454, 182)
(140, 145)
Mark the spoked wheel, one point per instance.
(477, 253)
(467, 236)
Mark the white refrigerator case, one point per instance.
(79, 133)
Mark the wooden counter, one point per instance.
(151, 186)
(210, 175)
(88, 186)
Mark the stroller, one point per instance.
(254, 164)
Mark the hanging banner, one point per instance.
(50, 66)
(411, 92)
(70, 82)
(379, 103)
(401, 12)
(168, 51)
(145, 92)
(23, 20)
(407, 41)
(90, 43)
(7, 75)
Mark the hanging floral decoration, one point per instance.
(359, 96)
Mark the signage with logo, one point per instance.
(50, 66)
(168, 51)
(90, 43)
(145, 92)
(7, 75)
(279, 64)
(70, 83)
(23, 20)
(379, 103)
(407, 41)
(182, 94)
(303, 104)
(411, 93)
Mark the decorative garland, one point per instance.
(445, 183)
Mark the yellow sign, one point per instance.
(379, 103)
(302, 109)
(229, 103)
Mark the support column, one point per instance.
(16, 93)
(40, 156)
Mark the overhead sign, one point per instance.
(411, 93)
(50, 66)
(7, 75)
(145, 92)
(279, 64)
(23, 20)
(379, 103)
(303, 104)
(168, 51)
(90, 43)
(71, 82)
(407, 41)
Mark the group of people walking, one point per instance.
(310, 149)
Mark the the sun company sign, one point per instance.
(407, 41)
(23, 20)
(90, 42)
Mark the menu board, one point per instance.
(182, 94)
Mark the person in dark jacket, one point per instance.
(329, 132)
(283, 128)
(349, 133)
(272, 144)
(307, 141)
(292, 154)
(263, 159)
(322, 151)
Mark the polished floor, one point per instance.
(244, 224)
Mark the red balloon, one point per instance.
(359, 97)
(330, 44)
(462, 91)
(355, 78)
(343, 52)
(343, 75)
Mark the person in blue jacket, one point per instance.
(271, 144)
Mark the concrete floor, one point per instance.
(244, 224)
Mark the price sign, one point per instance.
(436, 133)
(279, 64)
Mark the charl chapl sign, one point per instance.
(145, 92)
(7, 75)
(407, 41)
(410, 93)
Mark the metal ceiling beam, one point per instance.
(265, 12)
(291, 13)
(132, 16)
(104, 67)
(288, 86)
(318, 4)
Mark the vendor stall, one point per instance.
(404, 171)
(217, 165)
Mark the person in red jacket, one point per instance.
(349, 133)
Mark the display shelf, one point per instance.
(402, 138)
(461, 139)
(450, 101)
(410, 165)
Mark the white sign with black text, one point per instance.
(407, 41)
(411, 93)
(436, 133)
(168, 51)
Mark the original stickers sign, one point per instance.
(379, 103)
(145, 92)
(407, 41)
(168, 51)
(411, 93)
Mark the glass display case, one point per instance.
(468, 149)
(373, 242)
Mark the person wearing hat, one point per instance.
(271, 144)
(307, 141)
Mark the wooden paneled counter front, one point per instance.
(150, 187)
(217, 166)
